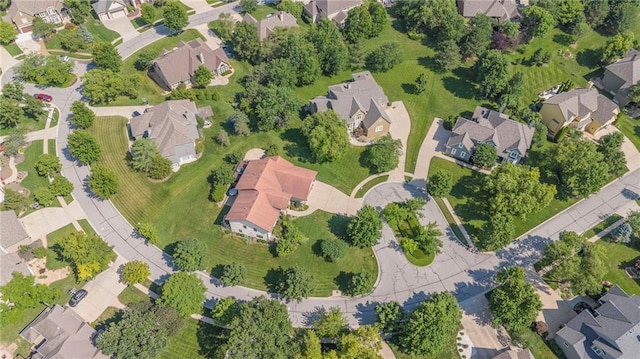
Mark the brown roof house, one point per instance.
(500, 10)
(172, 125)
(511, 139)
(611, 330)
(22, 12)
(268, 25)
(12, 233)
(360, 102)
(582, 108)
(621, 75)
(110, 9)
(177, 66)
(265, 189)
(59, 333)
(335, 10)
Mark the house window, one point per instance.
(459, 145)
(379, 128)
(453, 151)
(597, 350)
(565, 344)
(244, 226)
(513, 155)
(260, 236)
(51, 11)
(462, 154)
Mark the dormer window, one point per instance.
(460, 145)
(513, 155)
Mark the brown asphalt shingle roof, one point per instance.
(268, 25)
(582, 101)
(266, 187)
(32, 7)
(11, 230)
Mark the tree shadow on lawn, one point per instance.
(409, 88)
(459, 85)
(342, 280)
(589, 57)
(273, 278)
(338, 226)
(296, 145)
(563, 39)
(428, 63)
(212, 340)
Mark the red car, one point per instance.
(43, 97)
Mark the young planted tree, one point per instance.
(148, 231)
(390, 316)
(83, 146)
(331, 324)
(240, 123)
(440, 183)
(485, 155)
(420, 84)
(365, 228)
(48, 165)
(385, 57)
(14, 200)
(61, 186)
(190, 255)
(82, 117)
(364, 342)
(183, 292)
(103, 181)
(202, 76)
(514, 303)
(296, 283)
(610, 147)
(33, 108)
(333, 249)
(233, 274)
(135, 272)
(360, 283)
(148, 13)
(13, 90)
(326, 135)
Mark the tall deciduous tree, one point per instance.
(610, 147)
(537, 21)
(42, 29)
(296, 48)
(82, 117)
(492, 72)
(440, 183)
(514, 303)
(135, 272)
(616, 47)
(175, 16)
(622, 15)
(104, 86)
(106, 57)
(8, 33)
(44, 70)
(233, 274)
(103, 181)
(13, 90)
(359, 24)
(48, 164)
(21, 293)
(183, 292)
(87, 254)
(385, 57)
(383, 154)
(274, 107)
(365, 228)
(596, 12)
(148, 13)
(202, 76)
(10, 113)
(390, 316)
(245, 42)
(136, 335)
(248, 5)
(190, 255)
(14, 200)
(333, 54)
(261, 330)
(83, 146)
(331, 324)
(296, 283)
(362, 343)
(484, 155)
(431, 326)
(478, 36)
(580, 167)
(326, 135)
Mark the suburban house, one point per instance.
(361, 103)
(621, 75)
(137, 3)
(611, 330)
(177, 66)
(59, 333)
(582, 108)
(11, 263)
(335, 10)
(268, 25)
(499, 10)
(110, 9)
(172, 125)
(22, 12)
(511, 139)
(12, 235)
(265, 188)
(515, 354)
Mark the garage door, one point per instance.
(118, 14)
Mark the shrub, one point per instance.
(361, 283)
(333, 249)
(39, 252)
(540, 327)
(218, 192)
(148, 231)
(44, 196)
(135, 272)
(233, 274)
(189, 255)
(622, 233)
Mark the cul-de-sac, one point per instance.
(320, 179)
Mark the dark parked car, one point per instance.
(226, 50)
(43, 97)
(136, 113)
(77, 297)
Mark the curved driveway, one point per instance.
(455, 269)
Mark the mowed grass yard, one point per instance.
(180, 208)
(470, 203)
(620, 256)
(631, 128)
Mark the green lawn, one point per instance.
(132, 295)
(620, 256)
(369, 185)
(602, 225)
(147, 88)
(195, 340)
(25, 125)
(452, 223)
(630, 127)
(535, 343)
(32, 182)
(12, 49)
(53, 262)
(141, 200)
(100, 32)
(469, 203)
(262, 11)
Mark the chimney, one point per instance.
(281, 16)
(200, 57)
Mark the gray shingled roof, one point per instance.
(500, 9)
(582, 101)
(11, 230)
(9, 263)
(348, 98)
(627, 68)
(64, 333)
(329, 7)
(102, 6)
(268, 25)
(32, 7)
(171, 125)
(488, 125)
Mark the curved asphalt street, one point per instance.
(455, 269)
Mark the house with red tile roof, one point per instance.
(265, 188)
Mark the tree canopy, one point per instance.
(137, 335)
(44, 70)
(48, 164)
(106, 57)
(233, 274)
(385, 57)
(83, 146)
(175, 15)
(190, 255)
(365, 228)
(327, 136)
(440, 183)
(383, 154)
(183, 292)
(296, 283)
(21, 293)
(492, 72)
(103, 181)
(330, 324)
(580, 167)
(514, 303)
(484, 155)
(8, 33)
(87, 254)
(82, 116)
(135, 272)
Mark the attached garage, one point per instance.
(110, 9)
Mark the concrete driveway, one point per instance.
(46, 220)
(102, 292)
(555, 310)
(476, 320)
(6, 60)
(432, 144)
(210, 37)
(123, 26)
(399, 129)
(124, 111)
(330, 199)
(199, 6)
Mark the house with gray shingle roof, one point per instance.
(621, 75)
(178, 66)
(511, 139)
(361, 103)
(335, 10)
(611, 330)
(110, 9)
(11, 263)
(582, 108)
(172, 125)
(12, 232)
(59, 333)
(268, 25)
(500, 10)
(22, 12)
